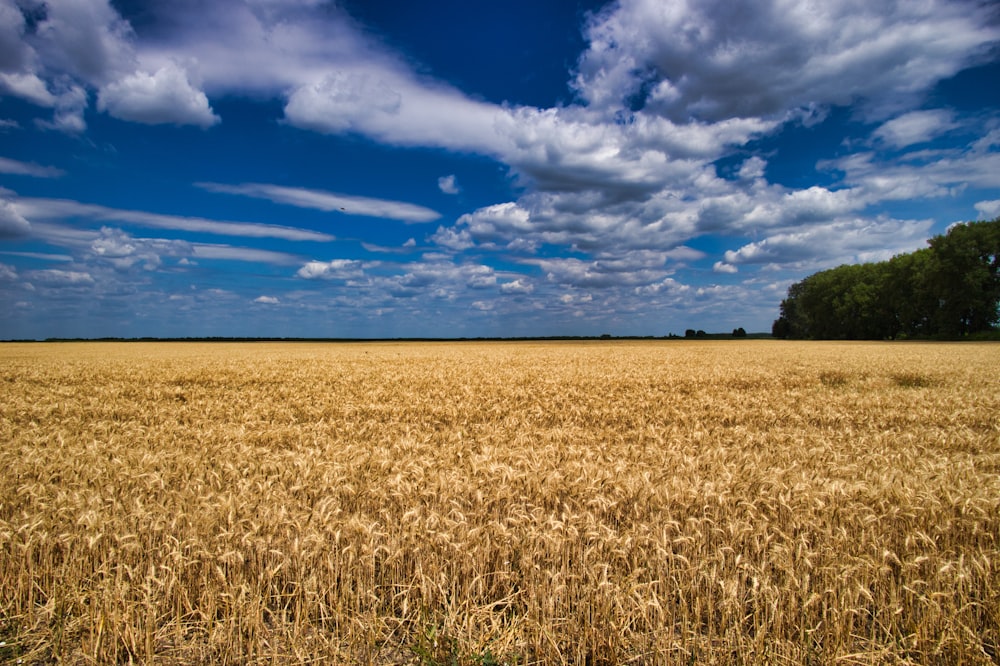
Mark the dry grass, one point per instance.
(595, 503)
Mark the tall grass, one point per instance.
(651, 502)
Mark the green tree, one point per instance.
(951, 288)
(966, 277)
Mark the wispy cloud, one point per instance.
(18, 168)
(63, 209)
(250, 254)
(328, 201)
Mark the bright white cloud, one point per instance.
(165, 96)
(329, 201)
(267, 300)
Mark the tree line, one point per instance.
(950, 289)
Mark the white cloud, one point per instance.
(627, 271)
(988, 209)
(915, 127)
(329, 201)
(18, 168)
(248, 254)
(518, 286)
(59, 278)
(453, 239)
(842, 241)
(394, 107)
(337, 269)
(723, 267)
(921, 174)
(12, 223)
(165, 96)
(27, 86)
(448, 185)
(124, 251)
(267, 300)
(85, 39)
(716, 59)
(7, 272)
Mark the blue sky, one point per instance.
(378, 168)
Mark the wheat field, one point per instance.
(642, 502)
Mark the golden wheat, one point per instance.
(645, 502)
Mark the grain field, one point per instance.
(653, 502)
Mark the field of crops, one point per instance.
(656, 502)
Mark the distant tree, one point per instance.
(690, 333)
(739, 332)
(951, 288)
(700, 333)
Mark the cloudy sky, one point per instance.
(383, 168)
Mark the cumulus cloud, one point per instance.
(453, 239)
(329, 201)
(723, 267)
(267, 300)
(336, 269)
(717, 59)
(518, 286)
(627, 271)
(165, 96)
(124, 251)
(7, 272)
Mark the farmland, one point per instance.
(652, 502)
